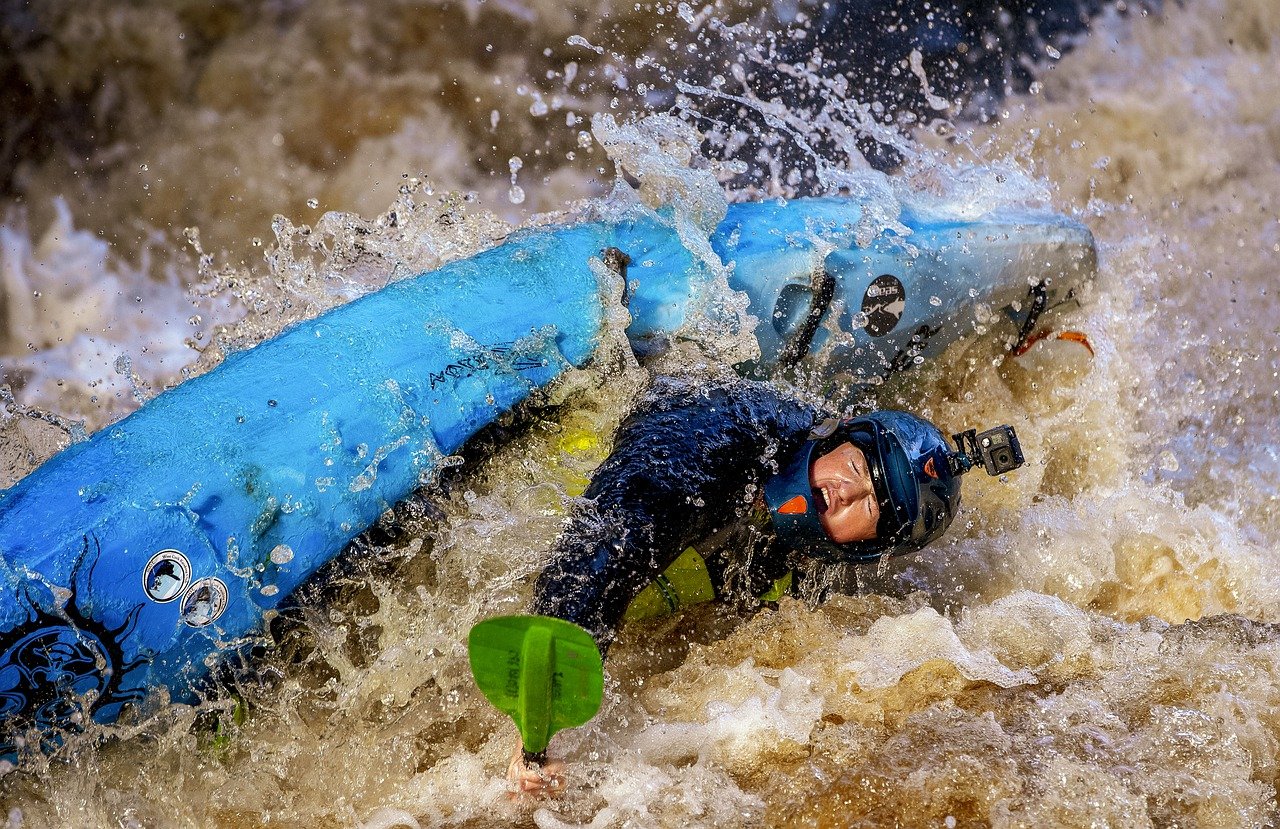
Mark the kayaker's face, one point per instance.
(844, 496)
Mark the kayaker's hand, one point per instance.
(535, 780)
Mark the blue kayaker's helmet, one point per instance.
(915, 474)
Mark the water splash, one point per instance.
(909, 703)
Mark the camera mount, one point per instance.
(996, 450)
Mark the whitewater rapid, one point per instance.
(1093, 644)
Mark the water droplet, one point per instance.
(313, 202)
(281, 554)
(579, 40)
(516, 193)
(935, 301)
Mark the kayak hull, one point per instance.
(135, 559)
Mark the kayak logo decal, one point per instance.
(883, 303)
(167, 574)
(467, 366)
(57, 671)
(204, 602)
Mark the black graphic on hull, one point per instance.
(56, 671)
(883, 304)
(907, 356)
(470, 365)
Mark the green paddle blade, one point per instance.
(545, 673)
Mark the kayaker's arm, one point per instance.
(686, 464)
(682, 468)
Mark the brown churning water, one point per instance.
(1093, 645)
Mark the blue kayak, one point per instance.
(134, 560)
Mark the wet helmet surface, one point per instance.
(909, 461)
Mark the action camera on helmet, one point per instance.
(996, 449)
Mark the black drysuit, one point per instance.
(688, 465)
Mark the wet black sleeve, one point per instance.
(688, 462)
